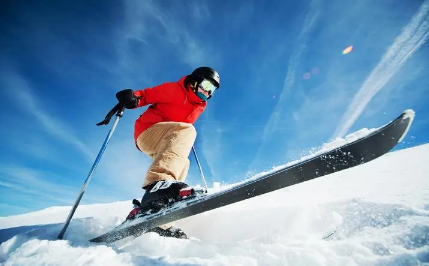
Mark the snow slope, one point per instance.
(379, 213)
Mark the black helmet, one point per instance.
(206, 73)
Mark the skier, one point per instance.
(165, 133)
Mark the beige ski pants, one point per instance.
(169, 145)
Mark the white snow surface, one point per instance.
(378, 214)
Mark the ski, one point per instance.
(358, 152)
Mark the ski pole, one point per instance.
(201, 169)
(119, 110)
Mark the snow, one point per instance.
(374, 214)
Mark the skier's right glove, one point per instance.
(127, 98)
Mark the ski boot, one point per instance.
(164, 193)
(160, 195)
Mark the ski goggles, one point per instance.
(208, 86)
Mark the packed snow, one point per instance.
(374, 214)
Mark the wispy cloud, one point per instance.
(30, 181)
(294, 60)
(212, 147)
(35, 185)
(18, 208)
(169, 28)
(276, 118)
(21, 188)
(23, 94)
(414, 35)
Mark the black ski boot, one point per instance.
(160, 195)
(164, 193)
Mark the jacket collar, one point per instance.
(190, 94)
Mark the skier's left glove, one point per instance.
(127, 98)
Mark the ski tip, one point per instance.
(407, 114)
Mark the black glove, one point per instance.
(127, 98)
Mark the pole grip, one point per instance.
(118, 109)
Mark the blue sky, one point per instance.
(63, 61)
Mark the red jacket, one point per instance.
(170, 101)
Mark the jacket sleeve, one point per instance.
(158, 94)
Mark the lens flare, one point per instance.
(348, 49)
(306, 76)
(315, 70)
